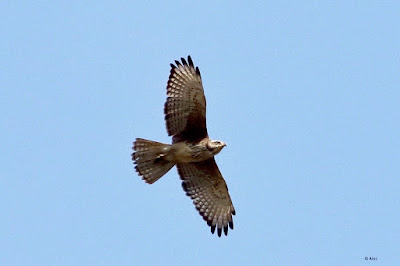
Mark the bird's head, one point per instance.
(215, 146)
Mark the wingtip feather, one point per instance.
(213, 228)
(184, 61)
(190, 61)
(219, 231)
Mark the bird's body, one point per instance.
(183, 152)
(180, 152)
(192, 151)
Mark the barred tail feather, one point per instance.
(148, 157)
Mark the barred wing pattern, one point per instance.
(185, 108)
(204, 184)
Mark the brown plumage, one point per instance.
(191, 150)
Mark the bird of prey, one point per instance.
(192, 151)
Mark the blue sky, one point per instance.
(305, 93)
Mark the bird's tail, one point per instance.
(148, 157)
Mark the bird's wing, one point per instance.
(185, 108)
(204, 184)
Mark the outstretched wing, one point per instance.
(204, 184)
(185, 108)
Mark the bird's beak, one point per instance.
(224, 144)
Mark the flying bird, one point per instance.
(192, 151)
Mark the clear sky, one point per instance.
(305, 93)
